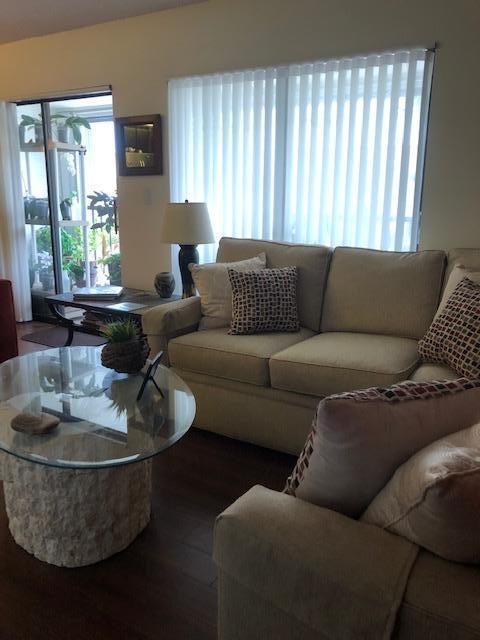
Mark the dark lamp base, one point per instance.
(188, 253)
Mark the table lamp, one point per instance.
(187, 224)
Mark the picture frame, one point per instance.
(138, 142)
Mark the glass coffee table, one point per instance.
(82, 492)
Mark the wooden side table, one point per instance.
(103, 308)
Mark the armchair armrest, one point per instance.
(169, 320)
(335, 576)
(8, 337)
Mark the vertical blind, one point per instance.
(327, 152)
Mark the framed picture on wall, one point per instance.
(139, 145)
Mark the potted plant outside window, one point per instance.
(114, 268)
(66, 206)
(105, 207)
(33, 126)
(45, 271)
(76, 271)
(69, 123)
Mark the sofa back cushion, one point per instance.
(469, 259)
(312, 263)
(384, 292)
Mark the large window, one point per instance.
(328, 152)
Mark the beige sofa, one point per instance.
(287, 569)
(362, 313)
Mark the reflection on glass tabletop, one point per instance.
(102, 424)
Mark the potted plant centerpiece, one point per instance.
(126, 350)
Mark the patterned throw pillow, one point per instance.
(454, 336)
(360, 438)
(264, 301)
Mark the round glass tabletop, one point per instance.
(103, 423)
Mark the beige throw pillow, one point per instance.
(457, 274)
(360, 438)
(434, 498)
(213, 286)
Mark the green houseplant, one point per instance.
(104, 205)
(30, 123)
(71, 122)
(76, 270)
(114, 268)
(66, 206)
(64, 123)
(45, 270)
(77, 273)
(127, 349)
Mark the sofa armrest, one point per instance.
(336, 576)
(169, 320)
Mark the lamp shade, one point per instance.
(186, 223)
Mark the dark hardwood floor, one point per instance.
(164, 585)
(23, 328)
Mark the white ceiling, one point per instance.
(21, 19)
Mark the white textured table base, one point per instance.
(71, 517)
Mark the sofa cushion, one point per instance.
(433, 498)
(468, 258)
(433, 371)
(382, 292)
(360, 438)
(243, 358)
(334, 362)
(440, 602)
(312, 265)
(457, 274)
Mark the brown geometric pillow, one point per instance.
(264, 301)
(454, 336)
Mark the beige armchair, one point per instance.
(289, 570)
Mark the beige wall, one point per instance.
(138, 56)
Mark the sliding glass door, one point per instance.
(36, 204)
(69, 185)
